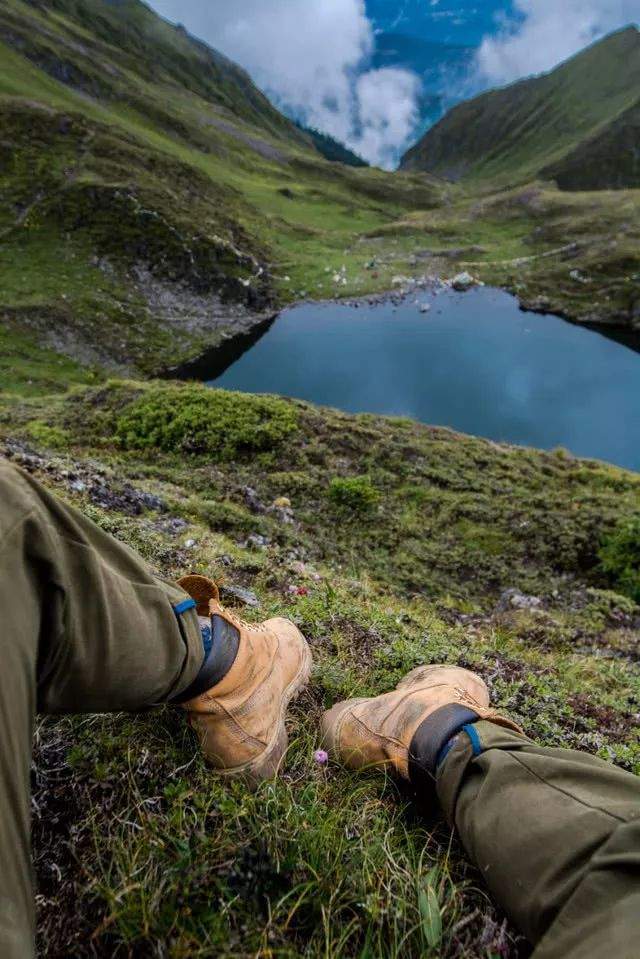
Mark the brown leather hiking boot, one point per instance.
(379, 732)
(244, 688)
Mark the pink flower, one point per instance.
(321, 757)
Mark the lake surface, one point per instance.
(474, 362)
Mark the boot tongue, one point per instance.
(203, 590)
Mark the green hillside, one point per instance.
(332, 149)
(152, 199)
(610, 159)
(561, 123)
(397, 550)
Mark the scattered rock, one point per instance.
(232, 594)
(579, 277)
(252, 500)
(257, 541)
(172, 525)
(514, 599)
(281, 509)
(82, 478)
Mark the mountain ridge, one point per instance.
(521, 131)
(152, 199)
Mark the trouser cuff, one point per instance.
(218, 659)
(430, 739)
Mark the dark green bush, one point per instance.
(355, 494)
(620, 558)
(197, 419)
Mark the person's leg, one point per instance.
(555, 833)
(84, 626)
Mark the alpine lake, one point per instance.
(470, 361)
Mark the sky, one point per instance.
(313, 57)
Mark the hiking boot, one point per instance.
(378, 732)
(238, 702)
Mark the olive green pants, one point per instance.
(86, 627)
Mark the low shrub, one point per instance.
(355, 494)
(52, 437)
(196, 419)
(620, 558)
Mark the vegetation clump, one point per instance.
(355, 494)
(620, 558)
(196, 419)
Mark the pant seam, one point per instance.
(564, 792)
(18, 523)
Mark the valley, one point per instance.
(156, 214)
(169, 229)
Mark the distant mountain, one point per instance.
(577, 124)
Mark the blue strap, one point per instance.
(182, 607)
(446, 749)
(472, 733)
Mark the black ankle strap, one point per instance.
(430, 738)
(218, 661)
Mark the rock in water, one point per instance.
(463, 282)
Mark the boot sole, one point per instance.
(267, 765)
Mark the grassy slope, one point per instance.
(575, 254)
(137, 846)
(123, 146)
(513, 134)
(609, 158)
(209, 193)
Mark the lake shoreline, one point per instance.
(473, 362)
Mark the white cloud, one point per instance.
(545, 32)
(310, 56)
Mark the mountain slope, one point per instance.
(139, 850)
(608, 160)
(152, 200)
(516, 133)
(332, 149)
(100, 35)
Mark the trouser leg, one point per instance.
(556, 835)
(84, 627)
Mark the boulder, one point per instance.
(513, 599)
(463, 282)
